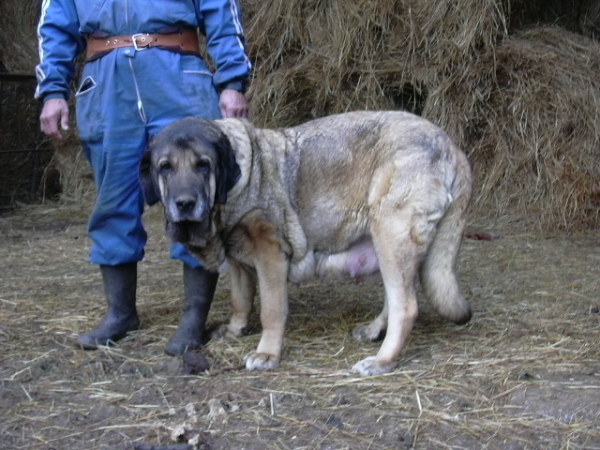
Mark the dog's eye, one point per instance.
(165, 166)
(202, 165)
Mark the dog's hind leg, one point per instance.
(375, 330)
(243, 289)
(399, 258)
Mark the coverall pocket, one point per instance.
(197, 83)
(194, 74)
(87, 111)
(86, 86)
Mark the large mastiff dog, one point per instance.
(362, 194)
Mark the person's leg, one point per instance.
(113, 138)
(121, 314)
(118, 240)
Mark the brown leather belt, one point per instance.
(183, 41)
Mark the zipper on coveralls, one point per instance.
(140, 105)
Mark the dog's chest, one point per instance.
(240, 248)
(211, 255)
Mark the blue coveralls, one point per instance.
(127, 96)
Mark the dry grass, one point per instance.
(18, 38)
(524, 374)
(523, 103)
(315, 58)
(530, 123)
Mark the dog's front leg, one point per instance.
(272, 269)
(243, 289)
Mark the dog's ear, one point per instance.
(228, 170)
(149, 187)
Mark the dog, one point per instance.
(363, 194)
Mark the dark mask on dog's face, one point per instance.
(189, 166)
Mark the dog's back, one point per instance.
(344, 165)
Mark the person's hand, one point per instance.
(233, 104)
(54, 112)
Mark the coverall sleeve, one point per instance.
(59, 43)
(221, 22)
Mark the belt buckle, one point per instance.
(142, 37)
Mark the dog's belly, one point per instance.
(359, 261)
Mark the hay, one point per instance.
(523, 104)
(528, 115)
(579, 16)
(338, 56)
(535, 296)
(517, 103)
(18, 37)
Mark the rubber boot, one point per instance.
(121, 317)
(199, 288)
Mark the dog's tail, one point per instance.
(438, 272)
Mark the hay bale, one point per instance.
(316, 58)
(523, 104)
(578, 16)
(528, 114)
(18, 38)
(518, 104)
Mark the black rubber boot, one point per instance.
(199, 287)
(121, 317)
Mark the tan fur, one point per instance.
(322, 199)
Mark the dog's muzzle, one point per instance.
(188, 208)
(185, 204)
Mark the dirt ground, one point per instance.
(523, 374)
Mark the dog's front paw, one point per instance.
(369, 366)
(367, 333)
(223, 333)
(260, 361)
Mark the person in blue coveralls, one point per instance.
(143, 71)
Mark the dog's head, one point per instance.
(189, 166)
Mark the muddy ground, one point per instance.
(523, 374)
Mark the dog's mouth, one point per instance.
(189, 232)
(190, 210)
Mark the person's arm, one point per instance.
(59, 44)
(221, 22)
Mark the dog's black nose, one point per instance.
(185, 204)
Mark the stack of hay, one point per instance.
(522, 98)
